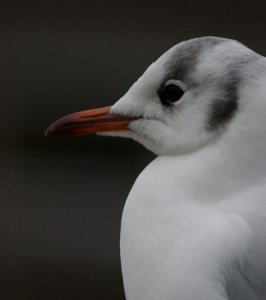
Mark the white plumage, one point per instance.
(194, 223)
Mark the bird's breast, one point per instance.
(166, 232)
(157, 219)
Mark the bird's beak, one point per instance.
(89, 121)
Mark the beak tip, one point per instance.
(48, 131)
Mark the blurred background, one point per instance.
(62, 198)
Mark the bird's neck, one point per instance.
(232, 163)
(215, 172)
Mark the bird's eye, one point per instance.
(170, 94)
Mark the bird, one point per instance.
(194, 222)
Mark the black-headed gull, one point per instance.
(194, 223)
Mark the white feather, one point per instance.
(194, 224)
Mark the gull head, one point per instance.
(188, 98)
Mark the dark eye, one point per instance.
(170, 94)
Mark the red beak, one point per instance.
(89, 121)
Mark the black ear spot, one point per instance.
(224, 108)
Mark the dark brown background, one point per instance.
(62, 198)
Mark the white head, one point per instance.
(186, 99)
(188, 96)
